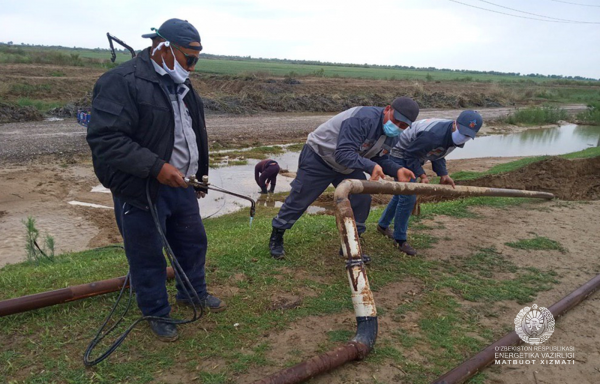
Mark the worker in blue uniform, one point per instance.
(346, 146)
(427, 140)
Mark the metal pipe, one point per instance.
(484, 358)
(362, 297)
(59, 296)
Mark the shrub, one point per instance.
(591, 115)
(35, 253)
(537, 115)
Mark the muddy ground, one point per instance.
(45, 165)
(253, 93)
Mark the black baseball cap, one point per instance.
(179, 32)
(405, 110)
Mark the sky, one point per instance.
(546, 36)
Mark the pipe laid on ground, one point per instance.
(484, 358)
(59, 296)
(362, 297)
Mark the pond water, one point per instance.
(533, 142)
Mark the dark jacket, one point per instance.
(131, 131)
(266, 170)
(428, 139)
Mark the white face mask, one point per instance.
(458, 138)
(178, 74)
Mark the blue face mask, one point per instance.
(390, 129)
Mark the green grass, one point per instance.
(46, 345)
(262, 152)
(537, 115)
(537, 243)
(248, 67)
(40, 105)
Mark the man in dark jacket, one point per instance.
(265, 174)
(346, 146)
(147, 133)
(427, 140)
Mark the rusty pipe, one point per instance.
(484, 358)
(395, 188)
(362, 297)
(59, 296)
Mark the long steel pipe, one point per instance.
(59, 296)
(471, 367)
(362, 297)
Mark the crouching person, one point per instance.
(346, 146)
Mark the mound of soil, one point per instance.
(566, 179)
(14, 113)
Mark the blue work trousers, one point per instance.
(399, 210)
(179, 217)
(312, 178)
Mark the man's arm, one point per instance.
(439, 167)
(388, 166)
(353, 133)
(257, 174)
(418, 150)
(113, 123)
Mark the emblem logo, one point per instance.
(534, 324)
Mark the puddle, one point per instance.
(534, 142)
(240, 179)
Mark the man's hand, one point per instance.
(447, 180)
(377, 173)
(405, 175)
(424, 179)
(169, 175)
(200, 194)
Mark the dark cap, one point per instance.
(469, 123)
(405, 110)
(179, 32)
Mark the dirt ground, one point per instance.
(40, 181)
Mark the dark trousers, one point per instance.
(179, 217)
(269, 174)
(312, 178)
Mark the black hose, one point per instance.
(179, 275)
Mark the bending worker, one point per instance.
(147, 133)
(355, 141)
(433, 140)
(265, 173)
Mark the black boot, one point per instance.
(276, 244)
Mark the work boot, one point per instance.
(387, 232)
(164, 331)
(403, 246)
(209, 302)
(276, 244)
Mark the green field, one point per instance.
(211, 64)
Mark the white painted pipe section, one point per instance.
(362, 297)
